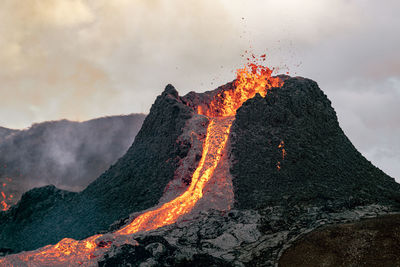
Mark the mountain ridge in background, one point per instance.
(64, 153)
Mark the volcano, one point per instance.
(209, 179)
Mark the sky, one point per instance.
(81, 59)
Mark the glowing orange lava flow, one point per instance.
(217, 135)
(250, 80)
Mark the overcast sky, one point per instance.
(80, 59)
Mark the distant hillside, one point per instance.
(4, 132)
(66, 154)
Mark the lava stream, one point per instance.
(217, 136)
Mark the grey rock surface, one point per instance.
(236, 238)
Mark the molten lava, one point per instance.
(250, 80)
(216, 138)
(281, 146)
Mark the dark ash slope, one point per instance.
(321, 167)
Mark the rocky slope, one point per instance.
(320, 166)
(293, 170)
(236, 238)
(66, 154)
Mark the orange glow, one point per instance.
(217, 135)
(282, 147)
(5, 202)
(67, 252)
(4, 205)
(251, 79)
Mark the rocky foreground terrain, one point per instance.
(292, 171)
(256, 238)
(370, 242)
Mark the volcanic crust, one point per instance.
(292, 170)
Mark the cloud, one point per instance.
(368, 112)
(48, 75)
(62, 13)
(80, 59)
(99, 57)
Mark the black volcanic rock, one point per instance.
(244, 238)
(136, 182)
(321, 166)
(36, 203)
(25, 222)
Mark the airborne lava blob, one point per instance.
(250, 80)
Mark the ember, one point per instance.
(281, 146)
(6, 200)
(250, 80)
